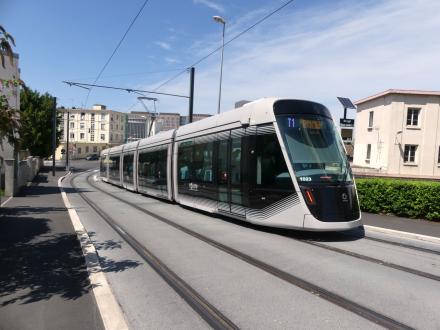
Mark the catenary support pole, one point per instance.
(191, 94)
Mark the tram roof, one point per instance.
(130, 146)
(161, 137)
(116, 149)
(252, 113)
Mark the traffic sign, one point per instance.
(344, 122)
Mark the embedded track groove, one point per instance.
(334, 298)
(200, 305)
(374, 260)
(412, 247)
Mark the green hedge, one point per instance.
(406, 198)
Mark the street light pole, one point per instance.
(67, 144)
(221, 20)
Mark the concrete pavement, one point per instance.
(43, 280)
(415, 226)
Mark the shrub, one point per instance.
(406, 198)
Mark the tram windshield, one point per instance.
(315, 149)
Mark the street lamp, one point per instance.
(220, 20)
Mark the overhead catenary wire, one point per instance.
(116, 49)
(130, 74)
(261, 20)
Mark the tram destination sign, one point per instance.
(344, 122)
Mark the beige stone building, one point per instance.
(397, 134)
(90, 130)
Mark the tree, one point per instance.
(36, 122)
(9, 118)
(5, 46)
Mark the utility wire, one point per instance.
(116, 49)
(226, 43)
(129, 74)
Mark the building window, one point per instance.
(81, 125)
(409, 155)
(83, 115)
(116, 126)
(102, 126)
(72, 135)
(72, 116)
(412, 117)
(87, 149)
(111, 126)
(102, 137)
(79, 151)
(72, 125)
(93, 116)
(95, 149)
(370, 119)
(111, 137)
(81, 136)
(367, 159)
(111, 118)
(102, 116)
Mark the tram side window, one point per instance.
(128, 168)
(153, 169)
(114, 167)
(271, 180)
(185, 161)
(271, 168)
(103, 163)
(202, 163)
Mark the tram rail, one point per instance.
(316, 290)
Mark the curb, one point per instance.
(402, 234)
(109, 309)
(4, 203)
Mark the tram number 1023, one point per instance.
(305, 179)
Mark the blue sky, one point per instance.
(313, 50)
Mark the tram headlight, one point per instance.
(310, 199)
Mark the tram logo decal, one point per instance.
(193, 186)
(344, 197)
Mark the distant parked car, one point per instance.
(92, 157)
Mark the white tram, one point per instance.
(272, 162)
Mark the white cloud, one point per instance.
(163, 45)
(210, 4)
(321, 53)
(171, 60)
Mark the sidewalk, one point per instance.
(415, 226)
(43, 280)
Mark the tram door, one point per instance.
(223, 176)
(230, 192)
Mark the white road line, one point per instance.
(4, 203)
(111, 313)
(403, 234)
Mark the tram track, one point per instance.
(373, 260)
(407, 246)
(339, 250)
(316, 290)
(200, 305)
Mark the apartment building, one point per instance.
(397, 134)
(196, 117)
(90, 130)
(139, 123)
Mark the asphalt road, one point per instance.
(389, 279)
